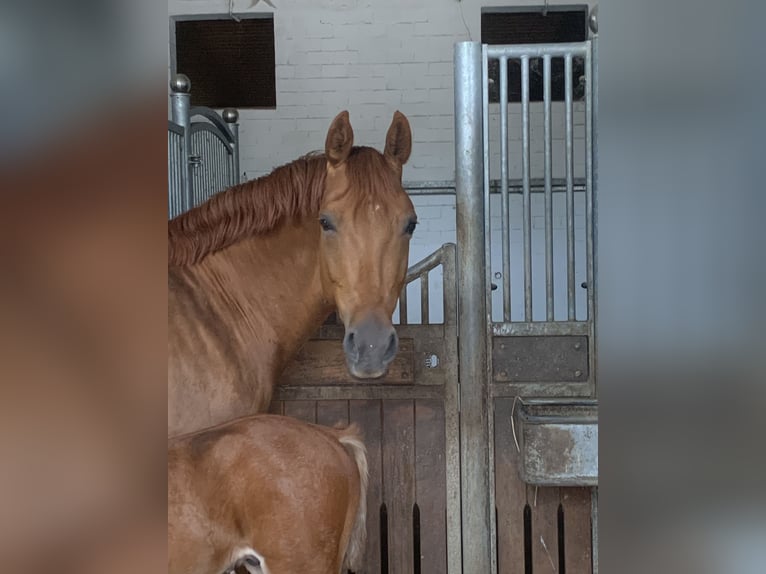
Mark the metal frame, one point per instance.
(473, 188)
(203, 156)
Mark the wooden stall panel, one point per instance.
(544, 506)
(577, 529)
(322, 362)
(332, 413)
(303, 410)
(399, 482)
(430, 487)
(510, 494)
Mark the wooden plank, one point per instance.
(544, 502)
(399, 482)
(360, 391)
(277, 407)
(430, 485)
(510, 494)
(303, 410)
(577, 533)
(332, 413)
(367, 414)
(322, 362)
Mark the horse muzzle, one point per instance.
(370, 346)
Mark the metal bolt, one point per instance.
(503, 374)
(577, 346)
(578, 373)
(502, 345)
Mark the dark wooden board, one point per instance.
(539, 359)
(322, 362)
(303, 410)
(544, 502)
(332, 413)
(510, 494)
(577, 529)
(430, 485)
(399, 482)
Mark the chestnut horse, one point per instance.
(254, 271)
(267, 494)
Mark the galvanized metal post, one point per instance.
(231, 117)
(472, 309)
(180, 87)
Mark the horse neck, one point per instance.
(272, 287)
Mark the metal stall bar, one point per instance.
(570, 190)
(472, 312)
(505, 207)
(589, 183)
(231, 117)
(549, 310)
(527, 200)
(424, 310)
(181, 104)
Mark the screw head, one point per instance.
(578, 373)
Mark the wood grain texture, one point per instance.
(545, 546)
(323, 362)
(510, 494)
(577, 529)
(399, 482)
(332, 413)
(303, 410)
(430, 485)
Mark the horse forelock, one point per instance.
(259, 206)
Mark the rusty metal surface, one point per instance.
(540, 359)
(558, 441)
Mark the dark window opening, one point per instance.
(229, 63)
(534, 27)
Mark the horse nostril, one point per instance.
(349, 345)
(393, 344)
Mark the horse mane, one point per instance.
(259, 206)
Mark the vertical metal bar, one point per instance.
(180, 87)
(403, 306)
(487, 214)
(505, 207)
(472, 312)
(570, 189)
(488, 305)
(549, 310)
(589, 182)
(451, 414)
(593, 318)
(594, 527)
(527, 203)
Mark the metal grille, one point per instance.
(546, 247)
(176, 198)
(212, 162)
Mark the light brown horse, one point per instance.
(254, 271)
(267, 494)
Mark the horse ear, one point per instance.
(399, 139)
(339, 140)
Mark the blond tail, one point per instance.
(355, 551)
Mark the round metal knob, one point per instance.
(180, 83)
(230, 115)
(593, 20)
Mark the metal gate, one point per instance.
(534, 337)
(203, 155)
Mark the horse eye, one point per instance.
(410, 227)
(326, 224)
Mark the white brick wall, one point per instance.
(373, 57)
